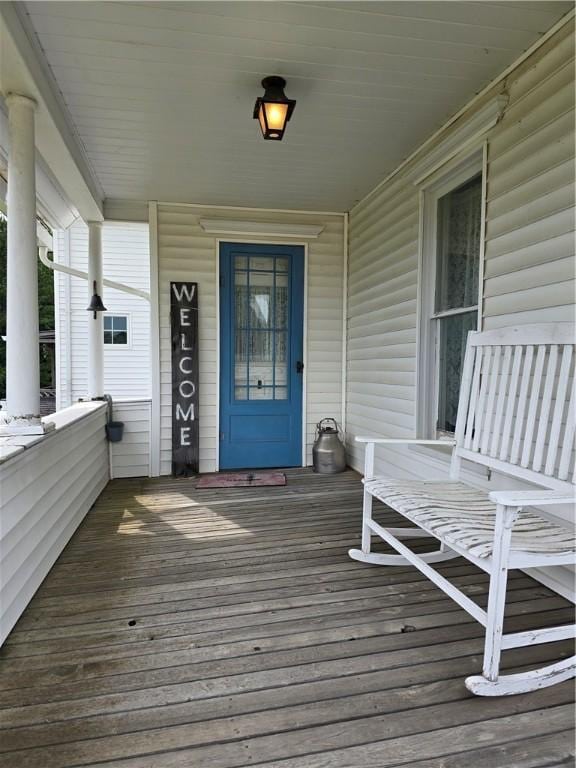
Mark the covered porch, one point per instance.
(424, 188)
(228, 628)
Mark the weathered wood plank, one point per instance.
(442, 741)
(206, 681)
(133, 630)
(301, 648)
(534, 752)
(83, 614)
(387, 688)
(330, 745)
(264, 721)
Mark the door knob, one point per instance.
(299, 367)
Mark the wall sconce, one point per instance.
(96, 304)
(273, 110)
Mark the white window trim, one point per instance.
(120, 347)
(427, 377)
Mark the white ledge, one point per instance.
(12, 445)
(260, 228)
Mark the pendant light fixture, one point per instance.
(273, 110)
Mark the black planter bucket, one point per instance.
(114, 431)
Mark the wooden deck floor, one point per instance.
(228, 628)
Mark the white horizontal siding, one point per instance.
(530, 224)
(125, 252)
(382, 303)
(187, 253)
(45, 492)
(528, 270)
(131, 456)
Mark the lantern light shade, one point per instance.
(273, 110)
(96, 303)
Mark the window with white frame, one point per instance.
(450, 275)
(116, 330)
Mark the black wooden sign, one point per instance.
(185, 433)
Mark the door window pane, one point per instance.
(281, 295)
(241, 300)
(241, 365)
(261, 393)
(261, 295)
(261, 347)
(458, 246)
(262, 263)
(261, 320)
(453, 334)
(281, 364)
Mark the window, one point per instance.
(116, 330)
(456, 300)
(450, 293)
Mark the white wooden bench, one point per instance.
(516, 416)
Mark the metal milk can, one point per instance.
(328, 452)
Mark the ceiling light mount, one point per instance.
(273, 110)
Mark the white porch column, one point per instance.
(22, 351)
(95, 324)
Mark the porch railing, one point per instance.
(47, 484)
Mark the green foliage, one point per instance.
(45, 297)
(45, 313)
(46, 320)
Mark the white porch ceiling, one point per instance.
(161, 93)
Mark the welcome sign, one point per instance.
(185, 433)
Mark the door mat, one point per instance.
(241, 479)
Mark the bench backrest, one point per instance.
(516, 412)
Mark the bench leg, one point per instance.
(505, 517)
(366, 518)
(367, 506)
(491, 682)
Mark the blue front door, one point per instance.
(261, 353)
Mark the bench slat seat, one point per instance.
(463, 516)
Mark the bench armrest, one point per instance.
(531, 498)
(404, 441)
